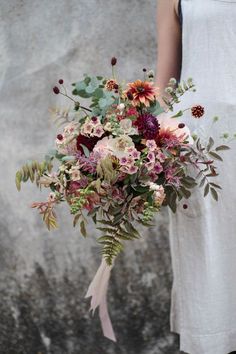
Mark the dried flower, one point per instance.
(111, 85)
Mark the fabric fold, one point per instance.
(98, 291)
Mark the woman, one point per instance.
(197, 38)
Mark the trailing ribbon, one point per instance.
(98, 290)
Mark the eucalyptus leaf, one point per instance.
(85, 150)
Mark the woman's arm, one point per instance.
(169, 39)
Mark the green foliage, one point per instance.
(106, 170)
(114, 235)
(176, 91)
(32, 171)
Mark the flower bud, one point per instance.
(181, 125)
(56, 90)
(113, 61)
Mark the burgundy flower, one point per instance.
(60, 81)
(88, 142)
(197, 111)
(148, 125)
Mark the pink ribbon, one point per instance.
(98, 290)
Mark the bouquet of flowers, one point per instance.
(120, 160)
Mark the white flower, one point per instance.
(108, 127)
(114, 146)
(70, 128)
(127, 128)
(75, 173)
(159, 195)
(120, 145)
(121, 106)
(86, 129)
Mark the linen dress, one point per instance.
(203, 237)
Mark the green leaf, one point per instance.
(214, 194)
(222, 147)
(215, 155)
(68, 158)
(178, 114)
(201, 184)
(210, 144)
(106, 229)
(206, 189)
(76, 219)
(83, 228)
(85, 150)
(215, 185)
(172, 201)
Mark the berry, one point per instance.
(185, 206)
(181, 125)
(56, 90)
(60, 81)
(60, 137)
(197, 111)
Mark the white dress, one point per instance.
(203, 237)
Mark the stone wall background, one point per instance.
(44, 276)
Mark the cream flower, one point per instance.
(127, 128)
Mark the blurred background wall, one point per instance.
(44, 275)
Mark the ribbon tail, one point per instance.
(98, 290)
(106, 321)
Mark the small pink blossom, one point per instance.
(160, 156)
(132, 169)
(151, 156)
(149, 165)
(158, 168)
(151, 144)
(136, 154)
(123, 160)
(130, 160)
(98, 131)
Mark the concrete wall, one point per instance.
(44, 276)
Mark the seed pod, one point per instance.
(18, 180)
(26, 173)
(31, 173)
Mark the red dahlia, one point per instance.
(147, 125)
(88, 142)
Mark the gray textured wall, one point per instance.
(44, 276)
